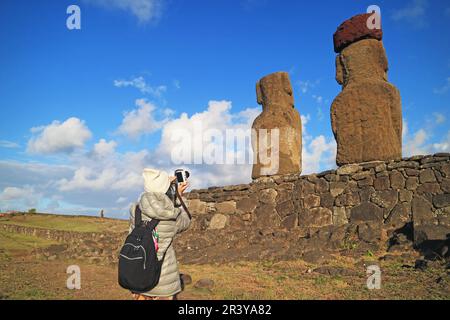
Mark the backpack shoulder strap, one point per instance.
(152, 224)
(138, 219)
(137, 216)
(164, 254)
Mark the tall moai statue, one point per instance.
(284, 144)
(366, 117)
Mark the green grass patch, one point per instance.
(67, 223)
(32, 294)
(10, 242)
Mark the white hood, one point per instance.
(155, 181)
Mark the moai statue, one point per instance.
(366, 117)
(278, 151)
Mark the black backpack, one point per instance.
(139, 268)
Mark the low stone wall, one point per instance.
(371, 200)
(393, 205)
(92, 246)
(71, 237)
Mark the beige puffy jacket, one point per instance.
(173, 220)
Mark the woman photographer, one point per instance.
(159, 201)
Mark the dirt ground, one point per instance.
(26, 275)
(23, 276)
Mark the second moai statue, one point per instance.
(277, 131)
(366, 117)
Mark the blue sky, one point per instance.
(83, 111)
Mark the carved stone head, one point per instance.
(275, 91)
(365, 59)
(361, 54)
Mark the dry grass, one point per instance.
(21, 244)
(24, 276)
(294, 280)
(67, 223)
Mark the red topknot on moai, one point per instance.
(366, 117)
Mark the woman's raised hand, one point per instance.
(182, 186)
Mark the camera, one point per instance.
(181, 175)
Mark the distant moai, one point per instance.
(366, 117)
(274, 93)
(102, 214)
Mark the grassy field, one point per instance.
(67, 223)
(25, 276)
(12, 245)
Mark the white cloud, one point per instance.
(53, 205)
(59, 137)
(140, 84)
(121, 200)
(414, 13)
(8, 144)
(25, 196)
(167, 112)
(439, 117)
(31, 173)
(219, 117)
(305, 120)
(145, 10)
(107, 179)
(118, 172)
(318, 153)
(140, 121)
(443, 145)
(415, 144)
(11, 193)
(89, 179)
(444, 88)
(320, 114)
(318, 99)
(418, 142)
(104, 149)
(45, 187)
(307, 85)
